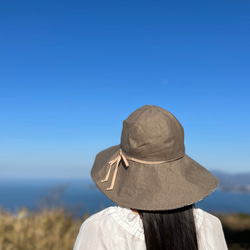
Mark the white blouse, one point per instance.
(119, 228)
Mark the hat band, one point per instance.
(125, 159)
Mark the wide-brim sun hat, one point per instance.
(149, 169)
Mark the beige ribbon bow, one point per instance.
(117, 160)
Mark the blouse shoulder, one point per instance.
(122, 216)
(202, 217)
(209, 231)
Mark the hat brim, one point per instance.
(154, 187)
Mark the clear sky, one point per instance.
(72, 71)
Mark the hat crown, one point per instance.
(154, 134)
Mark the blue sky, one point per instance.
(72, 71)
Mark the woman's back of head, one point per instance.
(149, 171)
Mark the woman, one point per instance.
(155, 184)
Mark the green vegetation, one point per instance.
(56, 229)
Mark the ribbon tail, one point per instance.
(114, 177)
(107, 175)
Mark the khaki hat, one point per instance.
(149, 170)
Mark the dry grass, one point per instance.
(52, 229)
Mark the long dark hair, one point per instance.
(171, 229)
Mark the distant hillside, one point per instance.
(239, 182)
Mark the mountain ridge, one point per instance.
(233, 182)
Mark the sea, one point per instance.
(81, 196)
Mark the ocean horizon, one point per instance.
(81, 196)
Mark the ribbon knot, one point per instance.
(117, 160)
